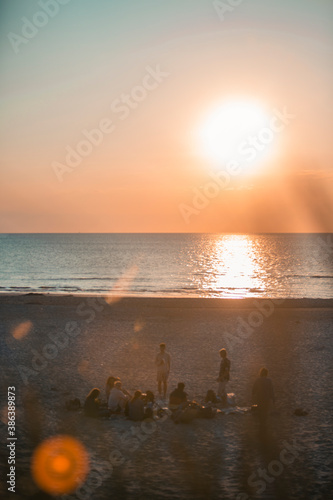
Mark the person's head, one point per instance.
(117, 384)
(223, 353)
(181, 386)
(162, 347)
(94, 393)
(137, 395)
(110, 381)
(150, 396)
(263, 372)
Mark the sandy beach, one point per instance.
(55, 348)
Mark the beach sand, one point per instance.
(55, 348)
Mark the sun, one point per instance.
(237, 131)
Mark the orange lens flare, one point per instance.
(60, 464)
(22, 330)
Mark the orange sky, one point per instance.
(148, 76)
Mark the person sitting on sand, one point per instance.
(149, 398)
(109, 385)
(117, 399)
(177, 397)
(92, 405)
(136, 407)
(162, 362)
(224, 375)
(263, 395)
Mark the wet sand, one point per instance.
(55, 348)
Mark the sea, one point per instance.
(169, 265)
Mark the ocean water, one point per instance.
(191, 265)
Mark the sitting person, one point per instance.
(177, 397)
(136, 407)
(149, 398)
(92, 405)
(117, 399)
(109, 385)
(211, 397)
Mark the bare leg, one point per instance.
(165, 386)
(159, 387)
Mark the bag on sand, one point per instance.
(186, 412)
(206, 412)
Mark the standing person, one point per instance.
(263, 395)
(224, 376)
(162, 363)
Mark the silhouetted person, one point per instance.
(224, 376)
(263, 395)
(92, 405)
(136, 407)
(162, 362)
(177, 397)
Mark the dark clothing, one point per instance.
(263, 392)
(177, 397)
(136, 409)
(263, 397)
(224, 369)
(91, 408)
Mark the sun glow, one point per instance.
(238, 132)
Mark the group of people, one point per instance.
(140, 405)
(262, 392)
(119, 400)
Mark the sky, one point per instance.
(177, 116)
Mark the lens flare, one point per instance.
(22, 330)
(60, 464)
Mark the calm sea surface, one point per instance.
(197, 265)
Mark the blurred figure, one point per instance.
(109, 385)
(162, 362)
(149, 400)
(224, 376)
(117, 399)
(92, 405)
(177, 397)
(263, 395)
(136, 407)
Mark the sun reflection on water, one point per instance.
(234, 268)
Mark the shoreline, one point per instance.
(170, 302)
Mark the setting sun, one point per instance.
(238, 131)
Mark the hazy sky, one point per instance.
(149, 74)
